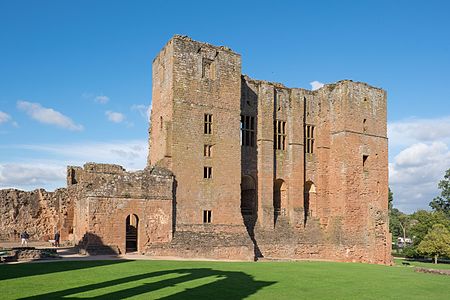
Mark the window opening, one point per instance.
(208, 70)
(206, 216)
(248, 131)
(207, 172)
(280, 135)
(309, 138)
(207, 150)
(365, 157)
(208, 124)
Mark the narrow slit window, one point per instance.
(309, 139)
(208, 124)
(365, 125)
(365, 157)
(279, 135)
(207, 172)
(248, 131)
(207, 216)
(207, 150)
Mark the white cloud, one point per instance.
(4, 117)
(30, 176)
(130, 154)
(87, 95)
(115, 117)
(143, 110)
(407, 132)
(419, 156)
(101, 99)
(415, 172)
(47, 168)
(47, 115)
(315, 85)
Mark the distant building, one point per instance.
(403, 242)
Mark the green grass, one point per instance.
(428, 265)
(217, 280)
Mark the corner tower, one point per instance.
(195, 130)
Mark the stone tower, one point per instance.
(299, 173)
(195, 129)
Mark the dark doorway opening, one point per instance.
(279, 199)
(310, 191)
(131, 238)
(248, 196)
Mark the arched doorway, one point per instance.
(279, 199)
(310, 190)
(249, 209)
(131, 236)
(248, 196)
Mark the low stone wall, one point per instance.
(28, 253)
(432, 271)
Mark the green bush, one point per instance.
(411, 252)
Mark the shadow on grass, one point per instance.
(11, 271)
(227, 285)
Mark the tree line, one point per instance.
(427, 232)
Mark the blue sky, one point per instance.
(75, 76)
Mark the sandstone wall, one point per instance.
(107, 194)
(39, 212)
(332, 202)
(193, 79)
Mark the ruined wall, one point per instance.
(201, 79)
(39, 212)
(328, 204)
(108, 194)
(160, 131)
(344, 216)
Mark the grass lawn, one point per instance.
(217, 280)
(428, 265)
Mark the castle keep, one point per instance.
(238, 168)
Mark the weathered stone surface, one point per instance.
(39, 212)
(432, 271)
(332, 203)
(294, 173)
(107, 194)
(29, 253)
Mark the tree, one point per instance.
(390, 199)
(398, 221)
(436, 243)
(422, 221)
(442, 202)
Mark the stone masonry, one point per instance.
(304, 174)
(237, 169)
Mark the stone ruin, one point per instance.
(237, 169)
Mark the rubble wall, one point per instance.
(38, 212)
